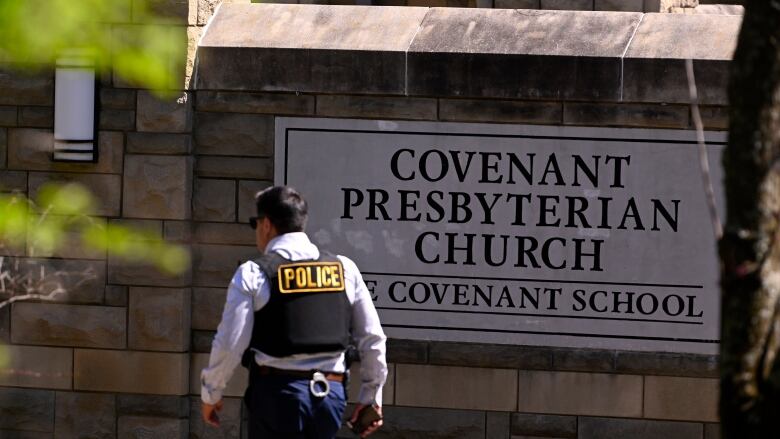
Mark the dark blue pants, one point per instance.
(283, 408)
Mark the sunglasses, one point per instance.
(253, 221)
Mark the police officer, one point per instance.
(295, 308)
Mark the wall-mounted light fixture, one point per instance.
(74, 108)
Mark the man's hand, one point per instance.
(374, 425)
(210, 413)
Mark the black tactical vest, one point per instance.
(308, 311)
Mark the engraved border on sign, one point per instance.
(312, 290)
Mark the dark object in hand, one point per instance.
(367, 416)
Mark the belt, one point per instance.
(330, 376)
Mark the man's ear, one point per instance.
(268, 227)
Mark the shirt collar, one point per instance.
(293, 246)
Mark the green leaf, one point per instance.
(65, 199)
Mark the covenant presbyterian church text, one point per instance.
(525, 173)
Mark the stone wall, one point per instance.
(681, 6)
(120, 356)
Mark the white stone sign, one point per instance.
(534, 235)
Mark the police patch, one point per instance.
(311, 277)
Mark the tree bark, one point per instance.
(750, 247)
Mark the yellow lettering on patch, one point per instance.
(311, 277)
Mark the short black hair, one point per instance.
(284, 207)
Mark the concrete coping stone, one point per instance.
(465, 52)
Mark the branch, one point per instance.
(704, 164)
(49, 296)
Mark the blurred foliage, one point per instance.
(62, 211)
(34, 32)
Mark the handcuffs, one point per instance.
(319, 378)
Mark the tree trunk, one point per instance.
(750, 248)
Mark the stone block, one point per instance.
(683, 399)
(159, 319)
(140, 427)
(116, 295)
(82, 281)
(377, 107)
(194, 34)
(658, 363)
(123, 272)
(153, 228)
(38, 117)
(164, 115)
(652, 5)
(413, 422)
(215, 200)
(388, 391)
(177, 231)
(235, 387)
(654, 64)
(31, 149)
(526, 424)
(163, 11)
(497, 425)
(3, 147)
(5, 325)
(7, 116)
(13, 181)
(629, 115)
(165, 406)
(517, 4)
(214, 265)
(585, 360)
(229, 420)
(558, 54)
(715, 118)
(205, 9)
(247, 189)
(234, 134)
(71, 244)
(178, 34)
(117, 98)
(24, 409)
(443, 386)
(120, 120)
(207, 305)
(712, 431)
(157, 187)
(608, 428)
(18, 87)
(224, 233)
(489, 355)
(158, 143)
(201, 341)
(407, 351)
(245, 102)
(153, 373)
(85, 416)
(22, 434)
(350, 49)
(717, 9)
(235, 167)
(619, 5)
(35, 366)
(479, 110)
(104, 187)
(573, 393)
(568, 5)
(68, 325)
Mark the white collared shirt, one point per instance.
(249, 292)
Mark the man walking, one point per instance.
(296, 309)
